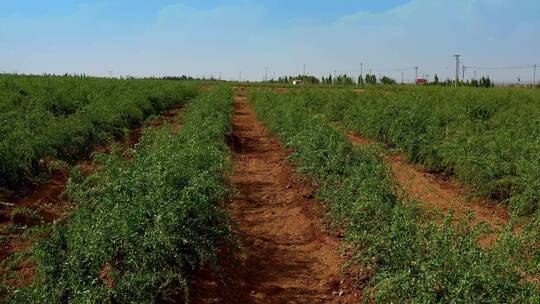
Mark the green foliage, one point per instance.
(23, 215)
(42, 116)
(487, 138)
(385, 80)
(485, 82)
(406, 260)
(308, 79)
(360, 80)
(371, 79)
(145, 224)
(344, 80)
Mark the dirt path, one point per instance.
(440, 195)
(288, 256)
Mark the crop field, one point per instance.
(64, 116)
(179, 191)
(408, 258)
(486, 138)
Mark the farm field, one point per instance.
(405, 255)
(63, 117)
(167, 191)
(485, 138)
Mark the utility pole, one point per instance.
(464, 68)
(304, 70)
(266, 74)
(415, 74)
(457, 69)
(534, 75)
(401, 77)
(361, 72)
(240, 76)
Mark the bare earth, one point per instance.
(288, 256)
(438, 194)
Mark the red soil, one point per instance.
(438, 194)
(47, 202)
(287, 256)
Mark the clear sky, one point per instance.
(196, 37)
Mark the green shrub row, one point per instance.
(486, 138)
(403, 258)
(143, 224)
(64, 117)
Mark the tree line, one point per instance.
(371, 79)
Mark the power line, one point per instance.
(376, 70)
(461, 70)
(521, 67)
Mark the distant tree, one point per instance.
(371, 79)
(306, 78)
(343, 80)
(485, 82)
(436, 80)
(360, 80)
(328, 80)
(387, 80)
(309, 79)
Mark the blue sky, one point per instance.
(171, 37)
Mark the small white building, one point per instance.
(297, 82)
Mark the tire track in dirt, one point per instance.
(288, 257)
(439, 195)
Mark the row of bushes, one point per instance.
(486, 138)
(143, 224)
(405, 259)
(63, 117)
